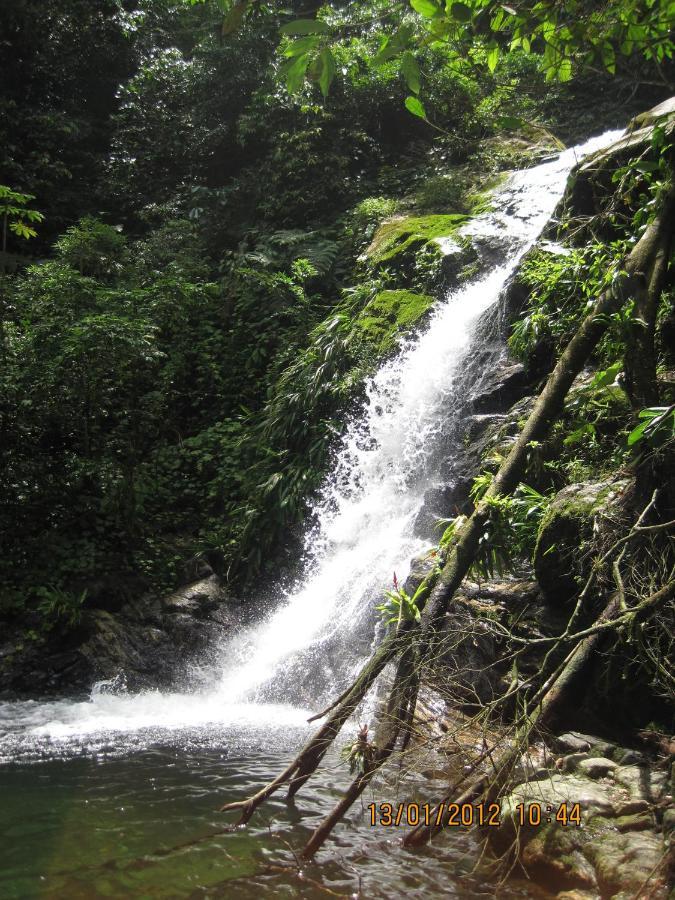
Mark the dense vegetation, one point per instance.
(187, 310)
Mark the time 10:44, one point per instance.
(534, 814)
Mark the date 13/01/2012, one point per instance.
(466, 815)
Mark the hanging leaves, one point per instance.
(415, 106)
(411, 72)
(294, 70)
(493, 58)
(327, 70)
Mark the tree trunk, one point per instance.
(640, 357)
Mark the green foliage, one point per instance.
(563, 288)
(399, 606)
(562, 37)
(510, 532)
(657, 426)
(16, 214)
(59, 607)
(92, 248)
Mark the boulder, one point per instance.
(565, 530)
(149, 643)
(501, 388)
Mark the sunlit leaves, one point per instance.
(493, 57)
(415, 106)
(15, 213)
(327, 69)
(294, 70)
(426, 8)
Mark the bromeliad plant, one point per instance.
(400, 606)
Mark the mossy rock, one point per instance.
(397, 241)
(388, 316)
(564, 531)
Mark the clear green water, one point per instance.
(141, 822)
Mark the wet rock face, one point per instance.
(493, 407)
(621, 847)
(150, 643)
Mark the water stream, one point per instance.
(106, 797)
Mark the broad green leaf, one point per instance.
(392, 46)
(492, 58)
(294, 71)
(638, 433)
(608, 58)
(413, 105)
(497, 20)
(328, 69)
(304, 26)
(461, 12)
(607, 376)
(411, 72)
(303, 45)
(565, 69)
(426, 8)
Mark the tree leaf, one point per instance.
(426, 8)
(461, 12)
(492, 58)
(233, 19)
(411, 72)
(328, 69)
(304, 26)
(414, 105)
(294, 71)
(565, 69)
(303, 45)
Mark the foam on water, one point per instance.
(318, 633)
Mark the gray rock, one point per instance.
(642, 782)
(572, 761)
(506, 384)
(596, 767)
(443, 501)
(572, 742)
(568, 524)
(624, 862)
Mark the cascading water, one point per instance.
(120, 798)
(319, 633)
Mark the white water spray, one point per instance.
(305, 648)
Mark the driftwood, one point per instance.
(438, 589)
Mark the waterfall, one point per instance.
(318, 633)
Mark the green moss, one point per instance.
(399, 237)
(389, 315)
